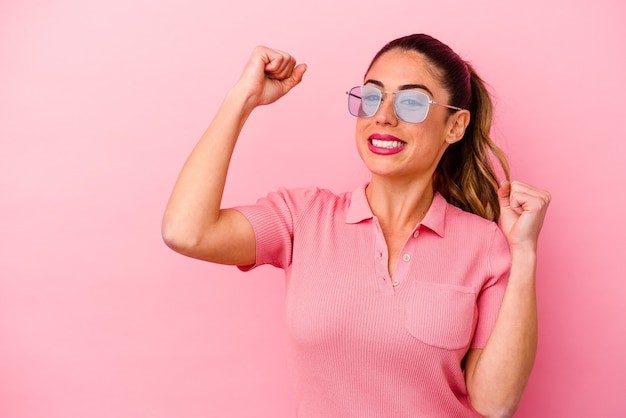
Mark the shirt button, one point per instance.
(406, 257)
(395, 283)
(416, 233)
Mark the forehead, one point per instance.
(399, 67)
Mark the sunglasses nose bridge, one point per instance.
(387, 105)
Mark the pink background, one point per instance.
(101, 103)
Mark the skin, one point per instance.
(399, 193)
(401, 186)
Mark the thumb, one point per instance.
(297, 74)
(507, 216)
(504, 195)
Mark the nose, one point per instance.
(386, 113)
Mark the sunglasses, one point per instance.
(410, 105)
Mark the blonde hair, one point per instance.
(465, 175)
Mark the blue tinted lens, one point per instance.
(411, 105)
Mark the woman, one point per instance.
(404, 297)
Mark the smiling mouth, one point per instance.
(378, 143)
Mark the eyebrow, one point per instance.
(402, 87)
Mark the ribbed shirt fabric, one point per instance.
(361, 343)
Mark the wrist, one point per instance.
(238, 103)
(526, 253)
(523, 265)
(523, 247)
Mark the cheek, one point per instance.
(360, 126)
(431, 130)
(361, 132)
(360, 137)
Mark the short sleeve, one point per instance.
(492, 292)
(273, 218)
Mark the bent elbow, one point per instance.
(214, 241)
(177, 238)
(501, 410)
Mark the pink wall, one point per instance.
(99, 106)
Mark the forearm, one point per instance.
(502, 369)
(194, 204)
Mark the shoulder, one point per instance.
(480, 237)
(473, 230)
(302, 199)
(309, 194)
(459, 218)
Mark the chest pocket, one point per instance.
(441, 315)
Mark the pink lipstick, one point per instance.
(383, 144)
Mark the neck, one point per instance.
(398, 204)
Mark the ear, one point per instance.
(457, 123)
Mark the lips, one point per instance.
(385, 144)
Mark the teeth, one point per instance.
(387, 144)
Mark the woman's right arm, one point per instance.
(194, 224)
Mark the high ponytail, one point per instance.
(465, 175)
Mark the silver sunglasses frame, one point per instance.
(383, 92)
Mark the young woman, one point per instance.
(404, 297)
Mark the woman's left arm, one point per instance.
(496, 375)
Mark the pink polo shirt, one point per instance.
(364, 344)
